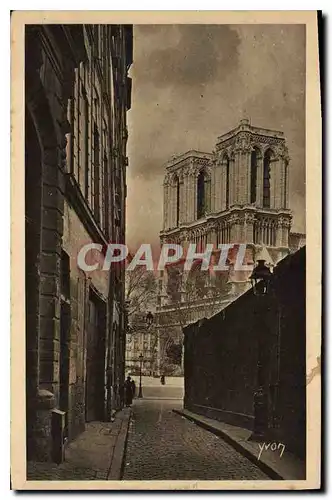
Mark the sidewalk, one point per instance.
(96, 454)
(277, 464)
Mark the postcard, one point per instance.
(166, 246)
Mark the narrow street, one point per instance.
(165, 446)
(164, 221)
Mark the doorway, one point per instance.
(95, 360)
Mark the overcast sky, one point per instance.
(192, 83)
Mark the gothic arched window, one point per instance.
(266, 178)
(200, 194)
(203, 193)
(207, 192)
(226, 163)
(285, 185)
(253, 174)
(177, 187)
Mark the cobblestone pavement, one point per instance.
(162, 392)
(165, 446)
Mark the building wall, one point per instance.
(62, 215)
(141, 340)
(221, 356)
(46, 98)
(74, 236)
(97, 162)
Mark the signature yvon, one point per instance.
(272, 446)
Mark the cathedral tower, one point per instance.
(236, 194)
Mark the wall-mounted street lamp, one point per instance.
(140, 393)
(261, 279)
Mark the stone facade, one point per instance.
(237, 194)
(77, 92)
(236, 207)
(141, 340)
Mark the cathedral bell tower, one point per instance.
(251, 167)
(237, 194)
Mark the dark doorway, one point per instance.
(33, 214)
(95, 381)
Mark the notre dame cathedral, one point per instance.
(239, 193)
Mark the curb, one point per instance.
(117, 463)
(269, 471)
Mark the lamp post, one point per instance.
(140, 393)
(149, 319)
(261, 283)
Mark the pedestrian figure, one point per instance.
(128, 391)
(122, 394)
(162, 380)
(133, 387)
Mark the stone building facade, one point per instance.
(77, 93)
(141, 340)
(237, 194)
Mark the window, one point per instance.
(106, 52)
(285, 185)
(266, 179)
(76, 127)
(200, 195)
(96, 40)
(79, 128)
(207, 193)
(100, 41)
(85, 142)
(65, 275)
(177, 187)
(82, 133)
(80, 121)
(96, 161)
(106, 198)
(226, 162)
(203, 194)
(253, 175)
